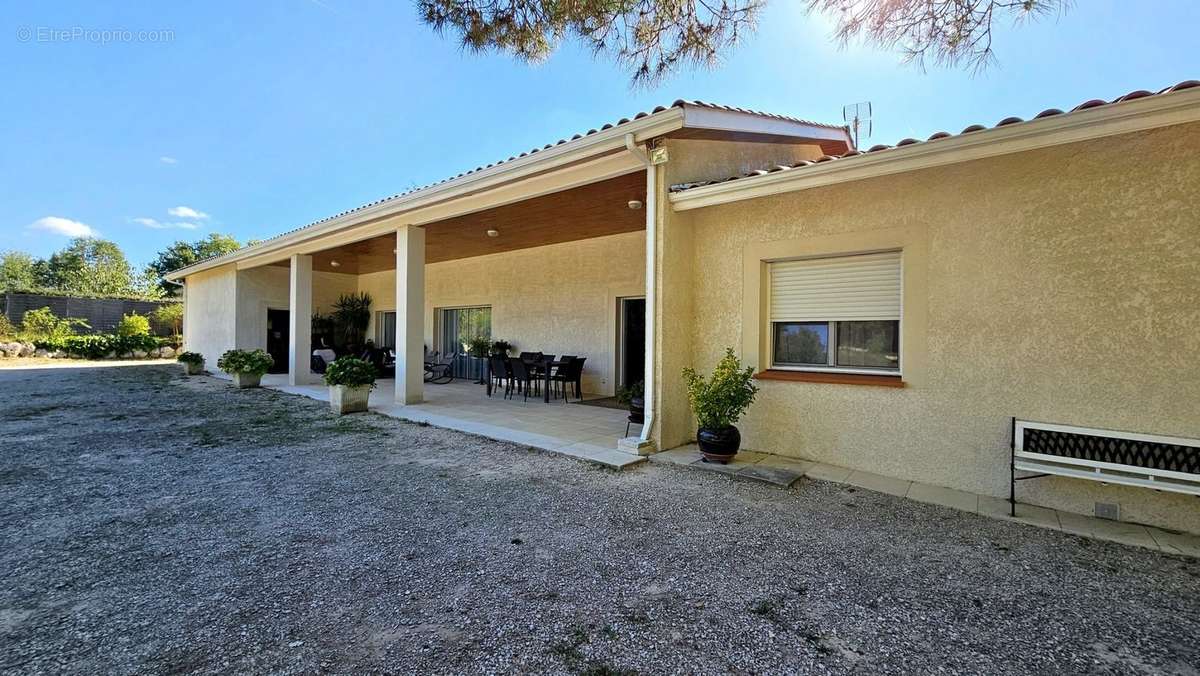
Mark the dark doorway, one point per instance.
(633, 341)
(277, 339)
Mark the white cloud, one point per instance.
(167, 159)
(187, 212)
(64, 226)
(159, 225)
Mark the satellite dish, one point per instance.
(857, 117)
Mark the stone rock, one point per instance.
(155, 353)
(111, 355)
(59, 354)
(3, 354)
(27, 350)
(42, 354)
(139, 354)
(13, 349)
(167, 353)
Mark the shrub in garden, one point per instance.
(98, 346)
(133, 325)
(43, 325)
(250, 362)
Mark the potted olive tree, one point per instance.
(192, 361)
(718, 402)
(350, 382)
(246, 366)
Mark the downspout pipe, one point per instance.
(651, 280)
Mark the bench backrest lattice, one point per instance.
(1128, 458)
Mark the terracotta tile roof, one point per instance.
(1093, 103)
(679, 103)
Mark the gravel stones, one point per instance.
(156, 523)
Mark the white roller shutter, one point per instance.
(846, 288)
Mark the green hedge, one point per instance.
(99, 345)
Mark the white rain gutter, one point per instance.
(651, 282)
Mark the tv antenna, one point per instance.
(857, 117)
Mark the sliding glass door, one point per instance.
(458, 327)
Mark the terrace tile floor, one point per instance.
(586, 432)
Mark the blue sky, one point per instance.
(260, 117)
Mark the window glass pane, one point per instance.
(869, 344)
(802, 343)
(385, 330)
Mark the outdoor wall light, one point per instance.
(335, 264)
(493, 233)
(635, 204)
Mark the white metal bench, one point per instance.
(1127, 458)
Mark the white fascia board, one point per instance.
(575, 150)
(1119, 118)
(695, 117)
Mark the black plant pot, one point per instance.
(719, 445)
(637, 410)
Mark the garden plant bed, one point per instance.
(157, 523)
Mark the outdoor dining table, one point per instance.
(546, 368)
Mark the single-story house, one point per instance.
(900, 304)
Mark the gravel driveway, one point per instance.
(152, 523)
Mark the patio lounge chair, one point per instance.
(440, 373)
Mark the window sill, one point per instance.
(831, 378)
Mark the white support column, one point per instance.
(300, 322)
(410, 314)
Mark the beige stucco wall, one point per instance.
(559, 299)
(1060, 285)
(227, 308)
(692, 160)
(209, 319)
(269, 287)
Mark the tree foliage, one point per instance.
(944, 32)
(181, 254)
(90, 266)
(650, 38)
(20, 272)
(170, 315)
(653, 38)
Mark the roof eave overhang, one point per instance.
(572, 152)
(578, 150)
(1130, 116)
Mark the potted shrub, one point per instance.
(246, 366)
(350, 382)
(718, 402)
(479, 348)
(193, 361)
(634, 397)
(501, 348)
